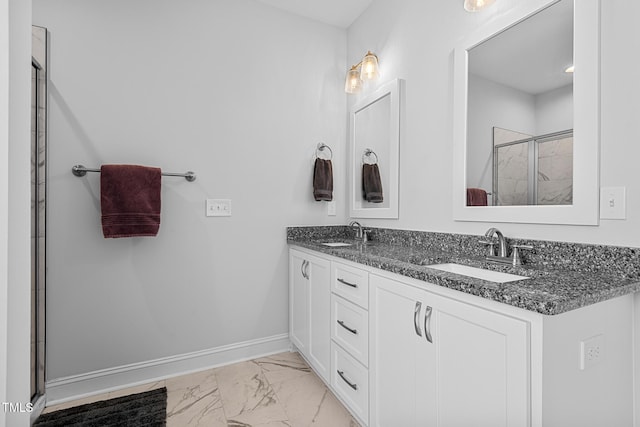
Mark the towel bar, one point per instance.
(79, 170)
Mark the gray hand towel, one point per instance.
(371, 183)
(323, 180)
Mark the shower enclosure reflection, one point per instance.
(532, 170)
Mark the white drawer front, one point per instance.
(350, 283)
(350, 328)
(350, 380)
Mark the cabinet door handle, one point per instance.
(427, 324)
(302, 269)
(353, 331)
(416, 313)
(306, 270)
(344, 282)
(352, 385)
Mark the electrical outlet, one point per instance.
(591, 351)
(218, 207)
(331, 208)
(613, 203)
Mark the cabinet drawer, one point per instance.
(350, 381)
(350, 328)
(350, 283)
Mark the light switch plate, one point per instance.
(613, 203)
(218, 207)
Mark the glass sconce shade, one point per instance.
(367, 69)
(476, 5)
(353, 83)
(370, 67)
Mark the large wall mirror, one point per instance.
(374, 153)
(526, 128)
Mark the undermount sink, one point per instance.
(478, 273)
(336, 244)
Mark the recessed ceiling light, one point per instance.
(569, 69)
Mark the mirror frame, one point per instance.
(586, 123)
(393, 90)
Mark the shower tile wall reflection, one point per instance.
(511, 171)
(555, 172)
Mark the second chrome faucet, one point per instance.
(502, 256)
(361, 234)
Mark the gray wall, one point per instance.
(240, 93)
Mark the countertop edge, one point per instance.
(521, 294)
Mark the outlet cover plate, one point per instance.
(218, 207)
(613, 203)
(591, 351)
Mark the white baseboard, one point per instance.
(105, 380)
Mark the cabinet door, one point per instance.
(319, 277)
(435, 361)
(298, 302)
(483, 367)
(401, 360)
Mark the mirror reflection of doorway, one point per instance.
(38, 211)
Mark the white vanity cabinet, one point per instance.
(310, 309)
(404, 352)
(435, 361)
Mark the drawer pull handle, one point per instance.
(416, 322)
(427, 324)
(352, 385)
(353, 331)
(344, 282)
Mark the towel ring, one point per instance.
(321, 146)
(368, 153)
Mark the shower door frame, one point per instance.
(39, 62)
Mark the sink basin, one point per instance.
(478, 273)
(336, 244)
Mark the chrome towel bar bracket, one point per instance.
(79, 171)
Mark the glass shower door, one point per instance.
(38, 210)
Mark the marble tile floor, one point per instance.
(272, 391)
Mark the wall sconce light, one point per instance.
(367, 69)
(476, 5)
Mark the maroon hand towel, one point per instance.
(476, 197)
(323, 180)
(130, 200)
(371, 183)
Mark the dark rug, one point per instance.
(148, 409)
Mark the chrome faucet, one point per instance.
(359, 230)
(503, 250)
(502, 243)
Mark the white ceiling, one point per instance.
(339, 13)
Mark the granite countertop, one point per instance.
(547, 291)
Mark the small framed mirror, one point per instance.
(374, 146)
(526, 125)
